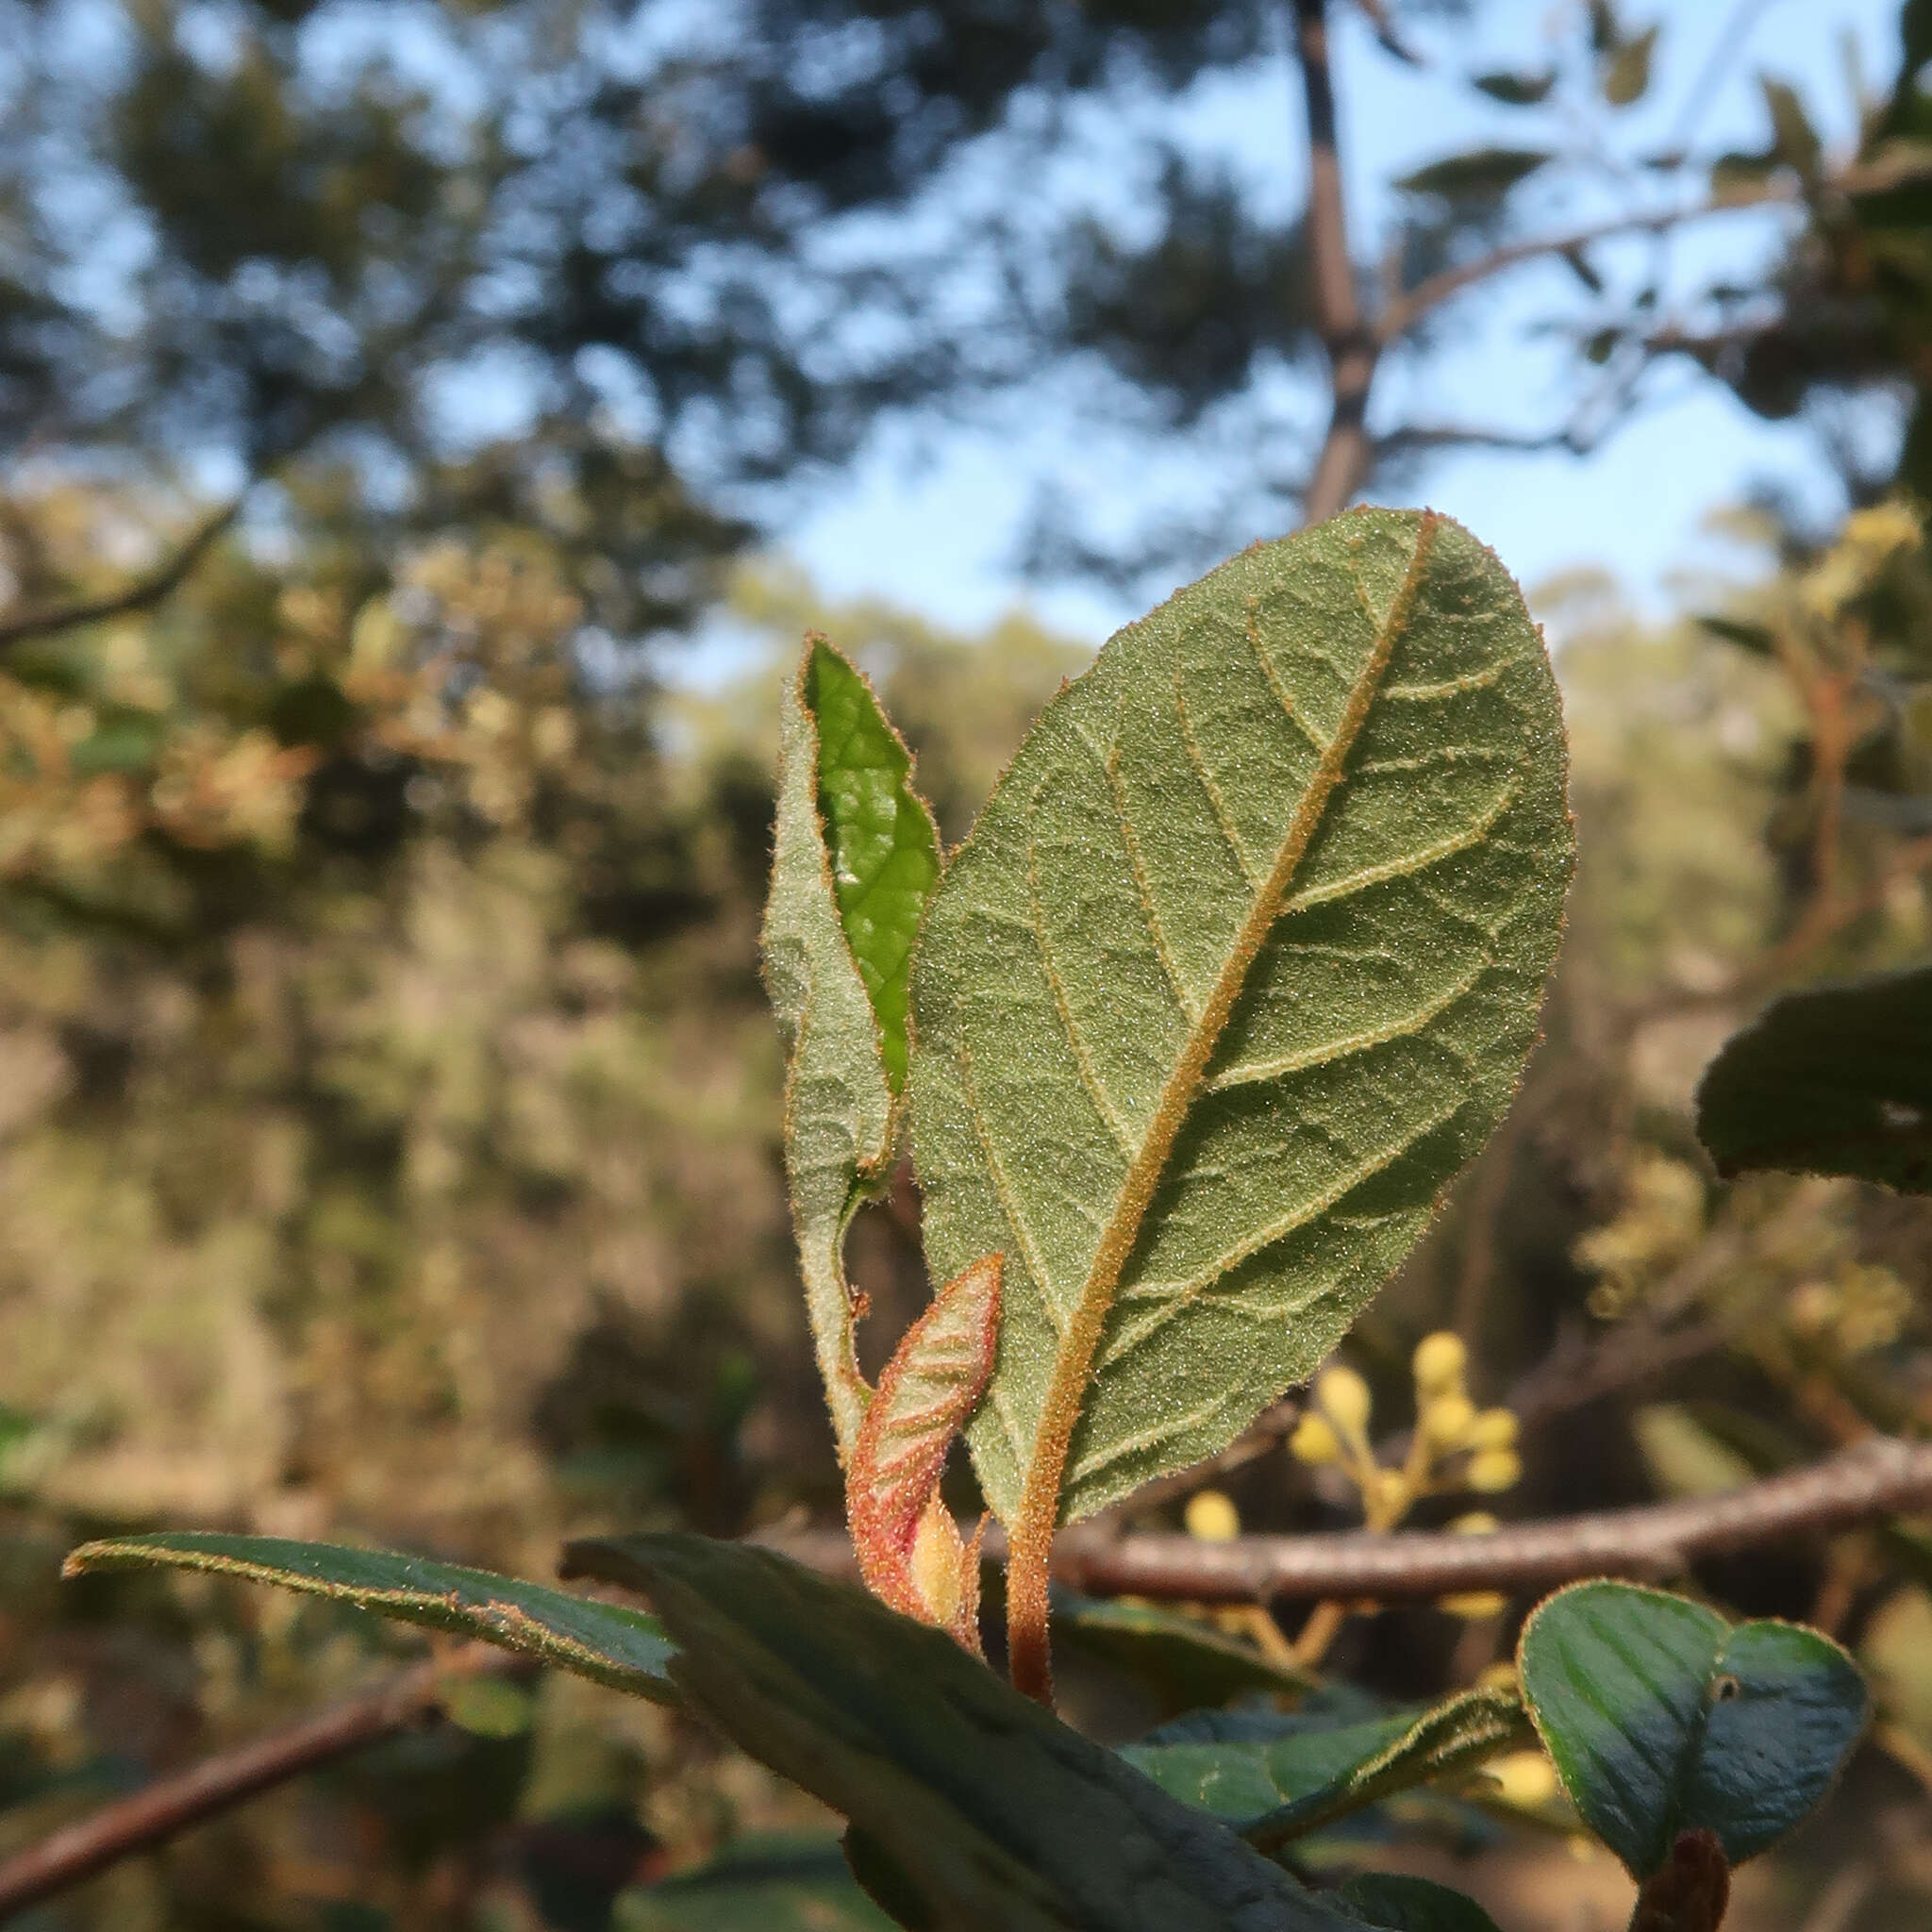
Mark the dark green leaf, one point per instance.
(1280, 1778)
(1793, 137)
(771, 1885)
(1626, 80)
(122, 742)
(1740, 173)
(1186, 1663)
(1834, 1081)
(1516, 90)
(1398, 1903)
(1485, 174)
(879, 835)
(607, 1642)
(1580, 265)
(1606, 36)
(973, 1802)
(1663, 1719)
(1735, 630)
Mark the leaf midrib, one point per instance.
(1038, 1514)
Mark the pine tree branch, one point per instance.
(138, 595)
(174, 1805)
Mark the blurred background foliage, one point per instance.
(388, 1110)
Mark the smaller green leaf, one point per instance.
(770, 1885)
(1278, 1776)
(1484, 174)
(1580, 265)
(606, 1642)
(1186, 1663)
(1626, 80)
(1396, 1903)
(1606, 36)
(1661, 1719)
(1516, 90)
(1835, 1081)
(970, 1807)
(879, 835)
(1793, 137)
(1741, 173)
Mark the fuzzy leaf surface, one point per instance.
(1837, 1080)
(853, 854)
(1662, 1718)
(1282, 1776)
(607, 1642)
(984, 1808)
(1237, 970)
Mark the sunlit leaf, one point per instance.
(1235, 972)
(1836, 1081)
(1663, 1720)
(1793, 137)
(1276, 1777)
(971, 1802)
(607, 1642)
(854, 856)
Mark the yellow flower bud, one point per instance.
(1523, 1777)
(1491, 1469)
(1313, 1440)
(1346, 1398)
(1494, 1428)
(1390, 1501)
(1477, 1522)
(1473, 1607)
(1497, 1676)
(1446, 1420)
(1439, 1360)
(1211, 1518)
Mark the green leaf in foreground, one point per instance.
(1662, 1718)
(607, 1642)
(1237, 970)
(1401, 1903)
(854, 856)
(1837, 1080)
(1274, 1778)
(1186, 1663)
(1484, 174)
(984, 1808)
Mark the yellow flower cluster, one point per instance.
(1456, 1445)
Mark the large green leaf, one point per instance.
(1276, 1777)
(855, 855)
(1235, 971)
(607, 1642)
(1837, 1080)
(1663, 1719)
(980, 1808)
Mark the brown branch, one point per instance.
(174, 1805)
(1352, 346)
(1430, 294)
(1880, 1477)
(137, 596)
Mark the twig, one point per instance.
(174, 1805)
(137, 596)
(1881, 1476)
(1430, 294)
(1352, 346)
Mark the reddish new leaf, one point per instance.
(910, 1552)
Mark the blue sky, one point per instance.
(935, 531)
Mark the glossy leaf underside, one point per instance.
(853, 854)
(1835, 1080)
(1662, 1718)
(607, 1642)
(1237, 970)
